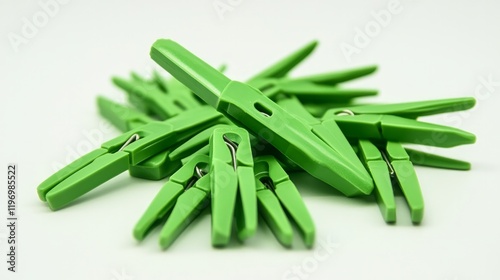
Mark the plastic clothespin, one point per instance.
(151, 99)
(180, 200)
(117, 155)
(249, 107)
(382, 122)
(165, 162)
(414, 110)
(388, 161)
(390, 165)
(407, 110)
(233, 185)
(411, 110)
(272, 81)
(279, 199)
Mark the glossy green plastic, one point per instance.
(273, 82)
(319, 109)
(399, 125)
(122, 117)
(396, 166)
(113, 157)
(395, 122)
(247, 106)
(282, 67)
(431, 160)
(410, 110)
(394, 128)
(175, 90)
(278, 197)
(232, 184)
(179, 201)
(150, 98)
(327, 130)
(166, 162)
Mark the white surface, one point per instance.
(431, 49)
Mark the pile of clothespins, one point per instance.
(229, 146)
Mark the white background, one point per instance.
(430, 49)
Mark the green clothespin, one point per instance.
(381, 122)
(117, 155)
(249, 107)
(232, 181)
(149, 98)
(273, 82)
(165, 162)
(387, 160)
(180, 200)
(411, 110)
(408, 110)
(279, 199)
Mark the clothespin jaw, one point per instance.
(232, 181)
(81, 175)
(249, 107)
(388, 165)
(407, 179)
(96, 167)
(278, 197)
(180, 200)
(117, 155)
